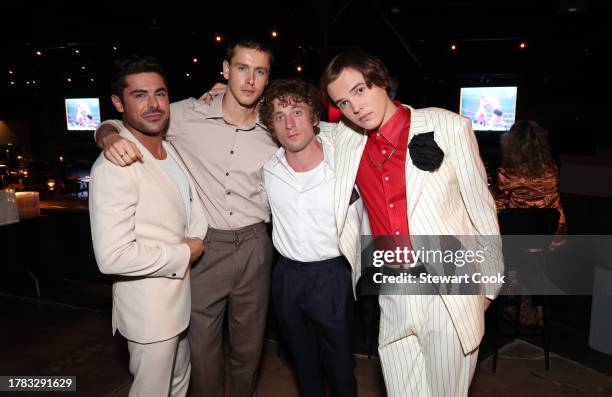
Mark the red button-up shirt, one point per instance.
(381, 177)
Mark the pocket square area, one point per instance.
(425, 152)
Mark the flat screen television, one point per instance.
(82, 114)
(489, 108)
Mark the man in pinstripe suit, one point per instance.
(428, 344)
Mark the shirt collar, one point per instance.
(215, 111)
(392, 129)
(279, 156)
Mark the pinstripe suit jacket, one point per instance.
(453, 200)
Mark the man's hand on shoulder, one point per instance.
(121, 151)
(216, 90)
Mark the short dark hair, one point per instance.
(373, 70)
(250, 43)
(132, 65)
(289, 91)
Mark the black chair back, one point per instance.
(528, 221)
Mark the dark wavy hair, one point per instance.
(525, 148)
(373, 70)
(132, 65)
(289, 91)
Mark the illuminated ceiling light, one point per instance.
(218, 38)
(83, 68)
(61, 158)
(453, 47)
(10, 72)
(187, 74)
(12, 83)
(274, 34)
(92, 80)
(38, 52)
(298, 68)
(27, 82)
(522, 45)
(76, 51)
(114, 48)
(195, 60)
(221, 73)
(69, 80)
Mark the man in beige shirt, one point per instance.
(224, 148)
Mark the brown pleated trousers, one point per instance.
(233, 274)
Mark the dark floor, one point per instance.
(68, 332)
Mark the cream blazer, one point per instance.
(453, 200)
(138, 223)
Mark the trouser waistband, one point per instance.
(236, 235)
(331, 262)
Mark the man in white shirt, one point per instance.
(147, 228)
(311, 283)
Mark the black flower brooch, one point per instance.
(425, 153)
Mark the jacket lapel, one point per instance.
(157, 174)
(415, 177)
(348, 149)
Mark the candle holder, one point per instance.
(8, 207)
(28, 204)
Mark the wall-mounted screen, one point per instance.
(82, 114)
(489, 108)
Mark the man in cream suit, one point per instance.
(147, 228)
(428, 344)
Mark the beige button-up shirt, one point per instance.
(225, 162)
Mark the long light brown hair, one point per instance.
(526, 150)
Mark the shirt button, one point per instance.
(378, 134)
(231, 152)
(228, 192)
(384, 152)
(231, 213)
(227, 174)
(386, 178)
(397, 232)
(391, 205)
(173, 274)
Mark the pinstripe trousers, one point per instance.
(420, 351)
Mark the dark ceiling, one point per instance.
(565, 39)
(562, 74)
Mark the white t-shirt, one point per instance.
(177, 175)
